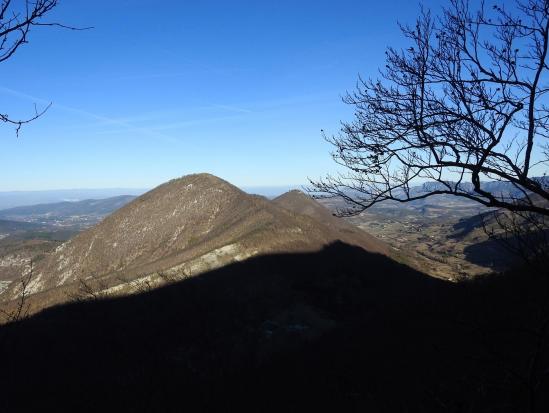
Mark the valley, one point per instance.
(429, 235)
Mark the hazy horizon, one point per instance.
(12, 199)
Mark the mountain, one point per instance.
(79, 213)
(300, 203)
(183, 228)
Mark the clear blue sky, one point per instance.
(160, 89)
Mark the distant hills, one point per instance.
(440, 205)
(499, 188)
(77, 214)
(13, 199)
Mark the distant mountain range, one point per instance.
(13, 199)
(442, 201)
(499, 188)
(75, 214)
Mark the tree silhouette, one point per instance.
(464, 104)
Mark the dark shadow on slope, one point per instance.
(466, 226)
(486, 252)
(506, 252)
(493, 254)
(341, 329)
(502, 252)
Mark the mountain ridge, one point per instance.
(184, 227)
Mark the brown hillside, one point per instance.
(182, 228)
(301, 203)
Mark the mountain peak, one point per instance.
(200, 177)
(302, 203)
(295, 193)
(202, 180)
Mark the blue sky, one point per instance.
(160, 89)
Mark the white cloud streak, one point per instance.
(112, 121)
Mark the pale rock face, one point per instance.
(209, 261)
(13, 260)
(36, 284)
(4, 286)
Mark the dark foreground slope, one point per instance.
(340, 329)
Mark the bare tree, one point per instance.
(464, 104)
(93, 288)
(17, 18)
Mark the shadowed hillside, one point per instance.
(339, 329)
(303, 204)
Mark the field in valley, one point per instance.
(440, 236)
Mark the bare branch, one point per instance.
(461, 106)
(17, 18)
